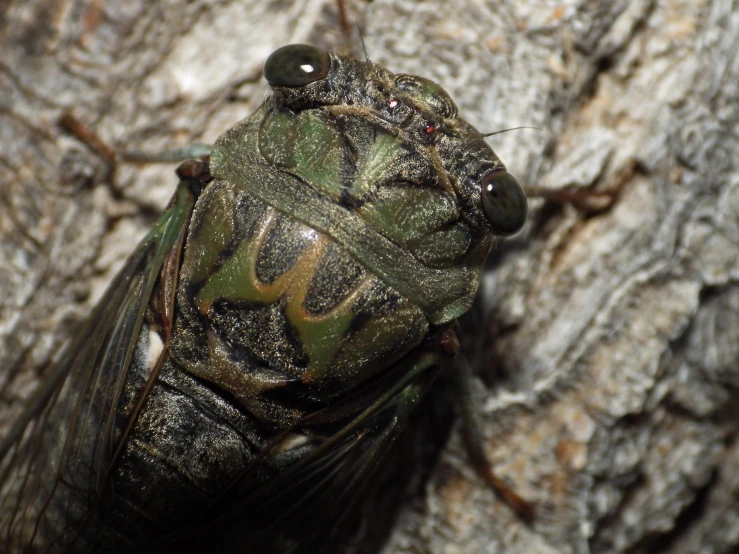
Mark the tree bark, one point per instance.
(610, 330)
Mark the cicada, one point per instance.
(265, 343)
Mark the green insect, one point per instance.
(266, 342)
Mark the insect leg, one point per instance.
(586, 200)
(197, 151)
(473, 439)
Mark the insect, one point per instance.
(265, 343)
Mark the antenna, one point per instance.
(364, 46)
(511, 129)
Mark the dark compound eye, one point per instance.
(296, 65)
(503, 202)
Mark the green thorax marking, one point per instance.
(237, 281)
(309, 193)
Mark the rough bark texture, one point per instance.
(611, 334)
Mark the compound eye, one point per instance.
(503, 202)
(296, 65)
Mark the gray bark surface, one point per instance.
(610, 338)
